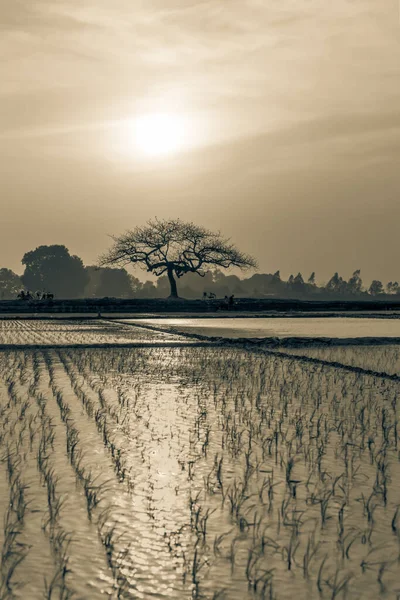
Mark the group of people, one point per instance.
(28, 295)
(227, 303)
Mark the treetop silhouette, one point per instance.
(175, 248)
(52, 268)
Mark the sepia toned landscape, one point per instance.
(199, 300)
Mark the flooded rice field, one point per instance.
(195, 472)
(315, 327)
(382, 359)
(82, 333)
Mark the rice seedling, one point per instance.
(265, 475)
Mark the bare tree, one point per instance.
(175, 248)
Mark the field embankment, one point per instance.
(158, 305)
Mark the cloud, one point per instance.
(309, 68)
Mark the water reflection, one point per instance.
(237, 327)
(200, 472)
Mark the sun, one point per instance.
(159, 134)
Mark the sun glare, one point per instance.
(159, 134)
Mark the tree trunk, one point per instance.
(172, 283)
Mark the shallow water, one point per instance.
(381, 359)
(82, 332)
(338, 327)
(218, 473)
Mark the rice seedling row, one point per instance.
(385, 359)
(64, 332)
(196, 473)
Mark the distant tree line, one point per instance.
(53, 270)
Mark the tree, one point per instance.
(10, 284)
(175, 248)
(53, 269)
(392, 287)
(354, 285)
(276, 277)
(311, 279)
(376, 288)
(298, 280)
(336, 284)
(114, 283)
(148, 290)
(136, 286)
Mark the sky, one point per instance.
(292, 127)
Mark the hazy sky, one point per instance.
(293, 116)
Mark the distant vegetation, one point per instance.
(53, 269)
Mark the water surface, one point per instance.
(338, 327)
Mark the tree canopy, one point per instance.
(105, 281)
(376, 288)
(53, 269)
(10, 284)
(175, 248)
